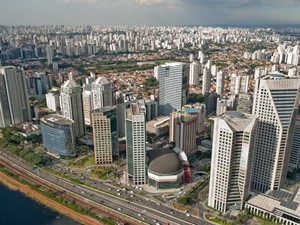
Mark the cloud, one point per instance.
(185, 4)
(150, 12)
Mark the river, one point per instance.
(18, 209)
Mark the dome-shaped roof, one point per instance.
(164, 162)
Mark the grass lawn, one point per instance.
(104, 172)
(216, 219)
(89, 160)
(264, 222)
(179, 206)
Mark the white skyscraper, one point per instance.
(235, 84)
(71, 104)
(136, 144)
(96, 94)
(201, 57)
(214, 70)
(102, 93)
(276, 102)
(52, 99)
(87, 103)
(231, 161)
(244, 84)
(220, 83)
(14, 101)
(206, 81)
(194, 73)
(173, 91)
(208, 64)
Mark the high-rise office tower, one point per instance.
(87, 103)
(276, 101)
(106, 146)
(183, 129)
(50, 54)
(199, 110)
(206, 81)
(194, 73)
(121, 113)
(220, 83)
(71, 104)
(231, 161)
(136, 143)
(40, 84)
(151, 109)
(58, 135)
(14, 101)
(210, 100)
(102, 93)
(173, 86)
(87, 98)
(294, 161)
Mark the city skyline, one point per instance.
(152, 12)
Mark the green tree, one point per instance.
(150, 84)
(38, 159)
(193, 98)
(23, 152)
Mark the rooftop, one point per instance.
(274, 76)
(280, 200)
(191, 110)
(58, 119)
(172, 64)
(237, 120)
(101, 80)
(104, 109)
(158, 121)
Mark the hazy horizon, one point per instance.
(150, 12)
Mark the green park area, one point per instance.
(27, 148)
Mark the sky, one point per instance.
(149, 12)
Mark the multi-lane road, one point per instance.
(118, 199)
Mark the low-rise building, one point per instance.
(158, 126)
(162, 175)
(280, 206)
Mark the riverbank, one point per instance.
(16, 185)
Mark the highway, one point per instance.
(121, 200)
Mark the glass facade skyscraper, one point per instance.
(58, 135)
(173, 86)
(14, 101)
